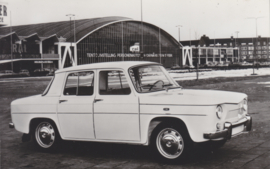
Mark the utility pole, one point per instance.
(255, 55)
(142, 54)
(179, 31)
(11, 51)
(70, 16)
(236, 37)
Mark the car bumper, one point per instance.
(227, 133)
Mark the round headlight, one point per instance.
(219, 111)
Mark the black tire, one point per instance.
(46, 135)
(170, 143)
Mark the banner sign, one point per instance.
(4, 14)
(126, 55)
(43, 61)
(135, 48)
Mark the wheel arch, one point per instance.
(170, 120)
(35, 121)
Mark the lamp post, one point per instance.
(179, 31)
(70, 16)
(179, 37)
(256, 18)
(236, 37)
(142, 54)
(238, 45)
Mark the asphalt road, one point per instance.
(245, 151)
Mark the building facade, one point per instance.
(64, 44)
(229, 50)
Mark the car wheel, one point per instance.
(46, 135)
(170, 143)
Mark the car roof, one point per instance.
(107, 65)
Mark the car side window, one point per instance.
(81, 83)
(71, 84)
(86, 83)
(113, 83)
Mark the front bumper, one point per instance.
(228, 128)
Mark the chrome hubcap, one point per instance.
(170, 143)
(45, 135)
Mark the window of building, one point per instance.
(113, 83)
(244, 52)
(81, 83)
(250, 48)
(250, 52)
(244, 48)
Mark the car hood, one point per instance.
(192, 97)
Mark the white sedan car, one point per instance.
(129, 102)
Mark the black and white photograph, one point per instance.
(135, 84)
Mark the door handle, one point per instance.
(98, 100)
(60, 101)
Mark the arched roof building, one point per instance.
(89, 40)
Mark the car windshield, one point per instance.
(151, 78)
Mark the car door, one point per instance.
(116, 108)
(75, 108)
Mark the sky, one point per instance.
(213, 18)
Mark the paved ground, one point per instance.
(246, 151)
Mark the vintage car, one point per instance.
(129, 102)
(24, 72)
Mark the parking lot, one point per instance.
(250, 150)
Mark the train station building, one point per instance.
(76, 42)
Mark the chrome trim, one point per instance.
(33, 113)
(176, 104)
(11, 125)
(173, 114)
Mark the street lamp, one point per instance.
(256, 18)
(70, 16)
(142, 54)
(236, 37)
(72, 60)
(179, 31)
